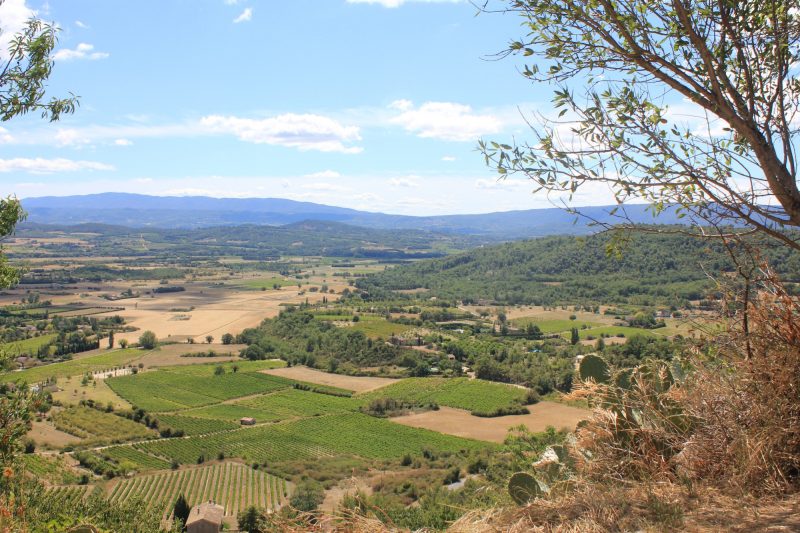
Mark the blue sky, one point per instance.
(374, 105)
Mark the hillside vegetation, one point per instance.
(654, 268)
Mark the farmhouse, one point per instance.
(247, 421)
(205, 518)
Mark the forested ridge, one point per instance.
(652, 268)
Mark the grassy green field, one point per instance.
(329, 316)
(50, 468)
(234, 486)
(555, 325)
(192, 425)
(614, 331)
(132, 459)
(97, 427)
(93, 363)
(243, 367)
(27, 346)
(267, 283)
(323, 436)
(373, 326)
(281, 405)
(461, 393)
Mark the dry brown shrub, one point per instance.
(633, 435)
(748, 407)
(733, 420)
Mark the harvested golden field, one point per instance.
(203, 310)
(45, 435)
(462, 424)
(353, 383)
(72, 391)
(172, 354)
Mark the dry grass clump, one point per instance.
(590, 508)
(747, 433)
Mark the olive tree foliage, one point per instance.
(24, 70)
(10, 214)
(27, 66)
(691, 104)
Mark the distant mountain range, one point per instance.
(136, 210)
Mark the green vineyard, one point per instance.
(68, 495)
(281, 405)
(165, 390)
(232, 485)
(461, 393)
(191, 425)
(132, 458)
(322, 436)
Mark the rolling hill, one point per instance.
(138, 211)
(652, 269)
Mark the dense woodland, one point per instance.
(653, 269)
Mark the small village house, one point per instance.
(205, 518)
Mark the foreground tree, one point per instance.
(27, 67)
(723, 417)
(24, 70)
(678, 102)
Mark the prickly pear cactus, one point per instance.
(622, 379)
(594, 367)
(523, 488)
(564, 456)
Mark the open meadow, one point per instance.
(461, 423)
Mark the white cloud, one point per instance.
(329, 187)
(49, 166)
(30, 185)
(82, 51)
(410, 181)
(245, 16)
(447, 121)
(14, 14)
(143, 180)
(215, 193)
(231, 2)
(498, 184)
(448, 158)
(368, 197)
(5, 136)
(123, 142)
(304, 132)
(401, 105)
(398, 3)
(81, 25)
(324, 175)
(70, 137)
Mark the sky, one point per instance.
(369, 104)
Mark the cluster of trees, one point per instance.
(98, 273)
(297, 337)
